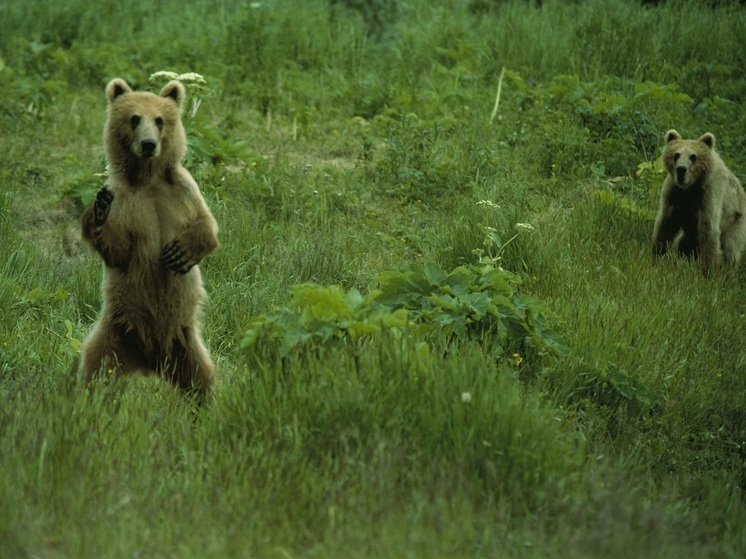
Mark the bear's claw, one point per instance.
(101, 206)
(174, 258)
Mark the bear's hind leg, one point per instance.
(189, 366)
(104, 353)
(733, 240)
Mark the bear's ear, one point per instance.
(708, 139)
(117, 87)
(174, 90)
(672, 136)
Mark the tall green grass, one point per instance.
(336, 141)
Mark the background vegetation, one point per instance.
(439, 326)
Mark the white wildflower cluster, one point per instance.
(196, 82)
(192, 77)
(524, 226)
(162, 75)
(489, 204)
(189, 77)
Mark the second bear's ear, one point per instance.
(708, 139)
(174, 90)
(672, 136)
(117, 87)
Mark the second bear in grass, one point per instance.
(151, 227)
(703, 200)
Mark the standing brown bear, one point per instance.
(151, 226)
(702, 198)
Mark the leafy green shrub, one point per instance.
(326, 317)
(479, 303)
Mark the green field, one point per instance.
(439, 326)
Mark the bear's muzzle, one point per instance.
(148, 148)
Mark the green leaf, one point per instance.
(445, 302)
(396, 319)
(291, 339)
(460, 280)
(358, 329)
(354, 298)
(323, 303)
(477, 303)
(433, 273)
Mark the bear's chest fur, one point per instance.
(152, 214)
(688, 202)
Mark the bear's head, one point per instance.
(143, 127)
(687, 161)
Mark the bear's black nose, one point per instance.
(680, 174)
(148, 148)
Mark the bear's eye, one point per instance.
(134, 121)
(692, 158)
(676, 156)
(159, 123)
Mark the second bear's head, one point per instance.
(688, 161)
(144, 125)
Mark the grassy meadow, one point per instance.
(437, 319)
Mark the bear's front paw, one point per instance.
(101, 206)
(176, 258)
